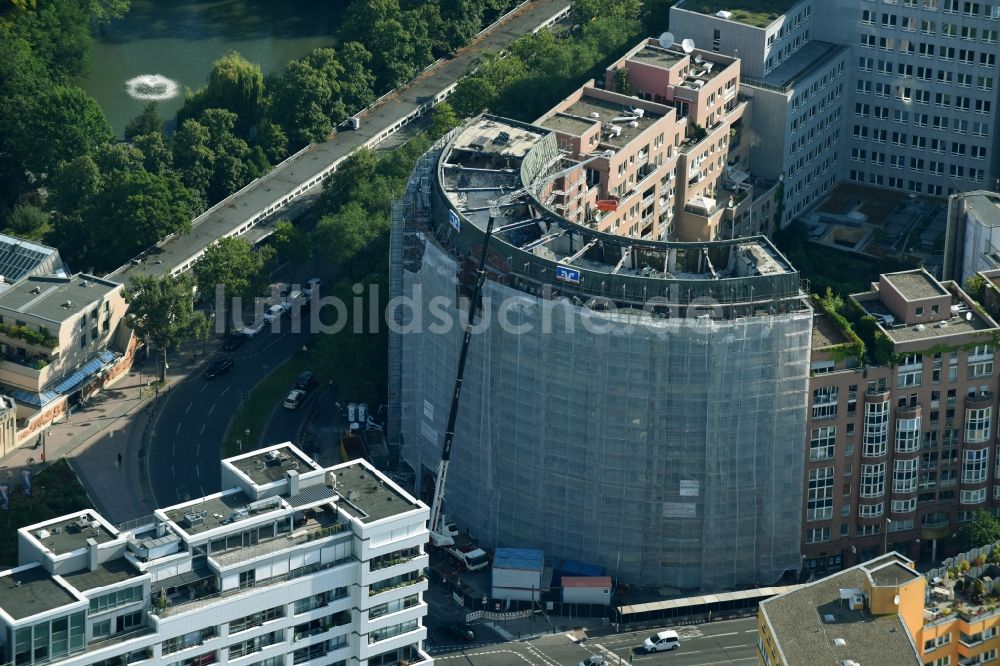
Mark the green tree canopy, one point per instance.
(292, 244)
(147, 122)
(28, 221)
(234, 84)
(443, 120)
(983, 530)
(73, 184)
(161, 312)
(341, 237)
(234, 265)
(64, 123)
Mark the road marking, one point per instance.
(480, 654)
(203, 387)
(731, 633)
(538, 653)
(188, 408)
(202, 429)
(223, 391)
(173, 448)
(750, 631)
(211, 409)
(728, 661)
(202, 489)
(197, 471)
(172, 472)
(178, 428)
(611, 656)
(197, 450)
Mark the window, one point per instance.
(904, 476)
(820, 501)
(248, 578)
(871, 510)
(907, 435)
(876, 429)
(817, 535)
(825, 402)
(873, 480)
(972, 496)
(822, 443)
(977, 425)
(256, 619)
(115, 599)
(975, 465)
(904, 506)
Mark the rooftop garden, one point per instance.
(41, 338)
(758, 13)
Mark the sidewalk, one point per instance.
(109, 424)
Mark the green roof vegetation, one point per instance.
(758, 13)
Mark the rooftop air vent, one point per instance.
(829, 618)
(67, 304)
(839, 642)
(36, 290)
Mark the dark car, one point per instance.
(233, 341)
(306, 381)
(459, 631)
(218, 367)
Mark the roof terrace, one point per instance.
(827, 332)
(107, 573)
(365, 497)
(915, 285)
(218, 510)
(758, 13)
(70, 533)
(31, 591)
(656, 55)
(965, 316)
(562, 122)
(611, 112)
(273, 465)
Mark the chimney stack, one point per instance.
(92, 561)
(293, 482)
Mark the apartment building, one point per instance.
(291, 564)
(902, 443)
(660, 126)
(972, 242)
(884, 612)
(871, 613)
(796, 84)
(914, 99)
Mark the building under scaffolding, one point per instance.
(639, 404)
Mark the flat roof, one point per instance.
(47, 297)
(264, 467)
(967, 320)
(892, 574)
(563, 122)
(208, 513)
(758, 13)
(809, 623)
(30, 592)
(107, 573)
(489, 135)
(803, 62)
(608, 111)
(657, 55)
(365, 497)
(68, 534)
(827, 332)
(915, 285)
(985, 206)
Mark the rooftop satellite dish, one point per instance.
(667, 40)
(687, 45)
(895, 600)
(968, 316)
(697, 58)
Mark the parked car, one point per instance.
(593, 660)
(311, 285)
(294, 399)
(274, 312)
(664, 640)
(251, 330)
(233, 341)
(295, 299)
(306, 380)
(459, 631)
(218, 367)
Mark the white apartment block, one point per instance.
(972, 242)
(913, 101)
(292, 564)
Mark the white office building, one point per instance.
(291, 564)
(972, 243)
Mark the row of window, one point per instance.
(930, 50)
(986, 10)
(928, 27)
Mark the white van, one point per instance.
(662, 641)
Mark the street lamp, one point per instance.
(885, 538)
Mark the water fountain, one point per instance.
(151, 87)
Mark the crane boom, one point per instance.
(437, 529)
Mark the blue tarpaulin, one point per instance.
(519, 558)
(573, 568)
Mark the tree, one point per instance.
(357, 87)
(983, 530)
(72, 185)
(118, 157)
(145, 207)
(292, 244)
(147, 122)
(156, 155)
(234, 265)
(28, 221)
(273, 140)
(65, 123)
(161, 312)
(234, 84)
(655, 15)
(231, 166)
(443, 120)
(193, 159)
(348, 179)
(341, 237)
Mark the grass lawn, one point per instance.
(758, 13)
(55, 491)
(267, 395)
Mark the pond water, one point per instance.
(163, 47)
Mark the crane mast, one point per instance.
(437, 530)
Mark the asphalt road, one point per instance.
(185, 450)
(714, 644)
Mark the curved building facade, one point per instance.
(637, 404)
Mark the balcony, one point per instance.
(397, 584)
